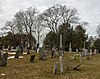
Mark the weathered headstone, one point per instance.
(70, 49)
(55, 68)
(32, 58)
(53, 52)
(37, 49)
(90, 53)
(9, 47)
(28, 47)
(17, 52)
(61, 64)
(95, 51)
(21, 46)
(4, 59)
(42, 54)
(76, 50)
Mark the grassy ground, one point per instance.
(43, 69)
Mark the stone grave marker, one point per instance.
(42, 53)
(76, 50)
(37, 48)
(28, 47)
(3, 62)
(61, 63)
(32, 58)
(21, 46)
(90, 53)
(70, 49)
(53, 54)
(17, 54)
(95, 51)
(9, 47)
(55, 69)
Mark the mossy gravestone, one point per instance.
(3, 61)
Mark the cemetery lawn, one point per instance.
(43, 69)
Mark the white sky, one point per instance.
(88, 10)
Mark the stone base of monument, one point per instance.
(32, 58)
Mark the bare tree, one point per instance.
(38, 28)
(26, 20)
(9, 26)
(98, 30)
(51, 17)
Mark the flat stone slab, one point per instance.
(13, 53)
(12, 57)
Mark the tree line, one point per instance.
(57, 19)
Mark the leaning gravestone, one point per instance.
(4, 59)
(32, 58)
(42, 54)
(55, 68)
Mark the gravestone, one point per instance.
(83, 52)
(95, 51)
(70, 49)
(61, 64)
(3, 62)
(53, 54)
(32, 58)
(76, 50)
(9, 47)
(90, 53)
(42, 53)
(28, 47)
(21, 46)
(37, 48)
(17, 52)
(55, 69)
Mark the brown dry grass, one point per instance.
(43, 69)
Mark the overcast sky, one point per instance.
(89, 10)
